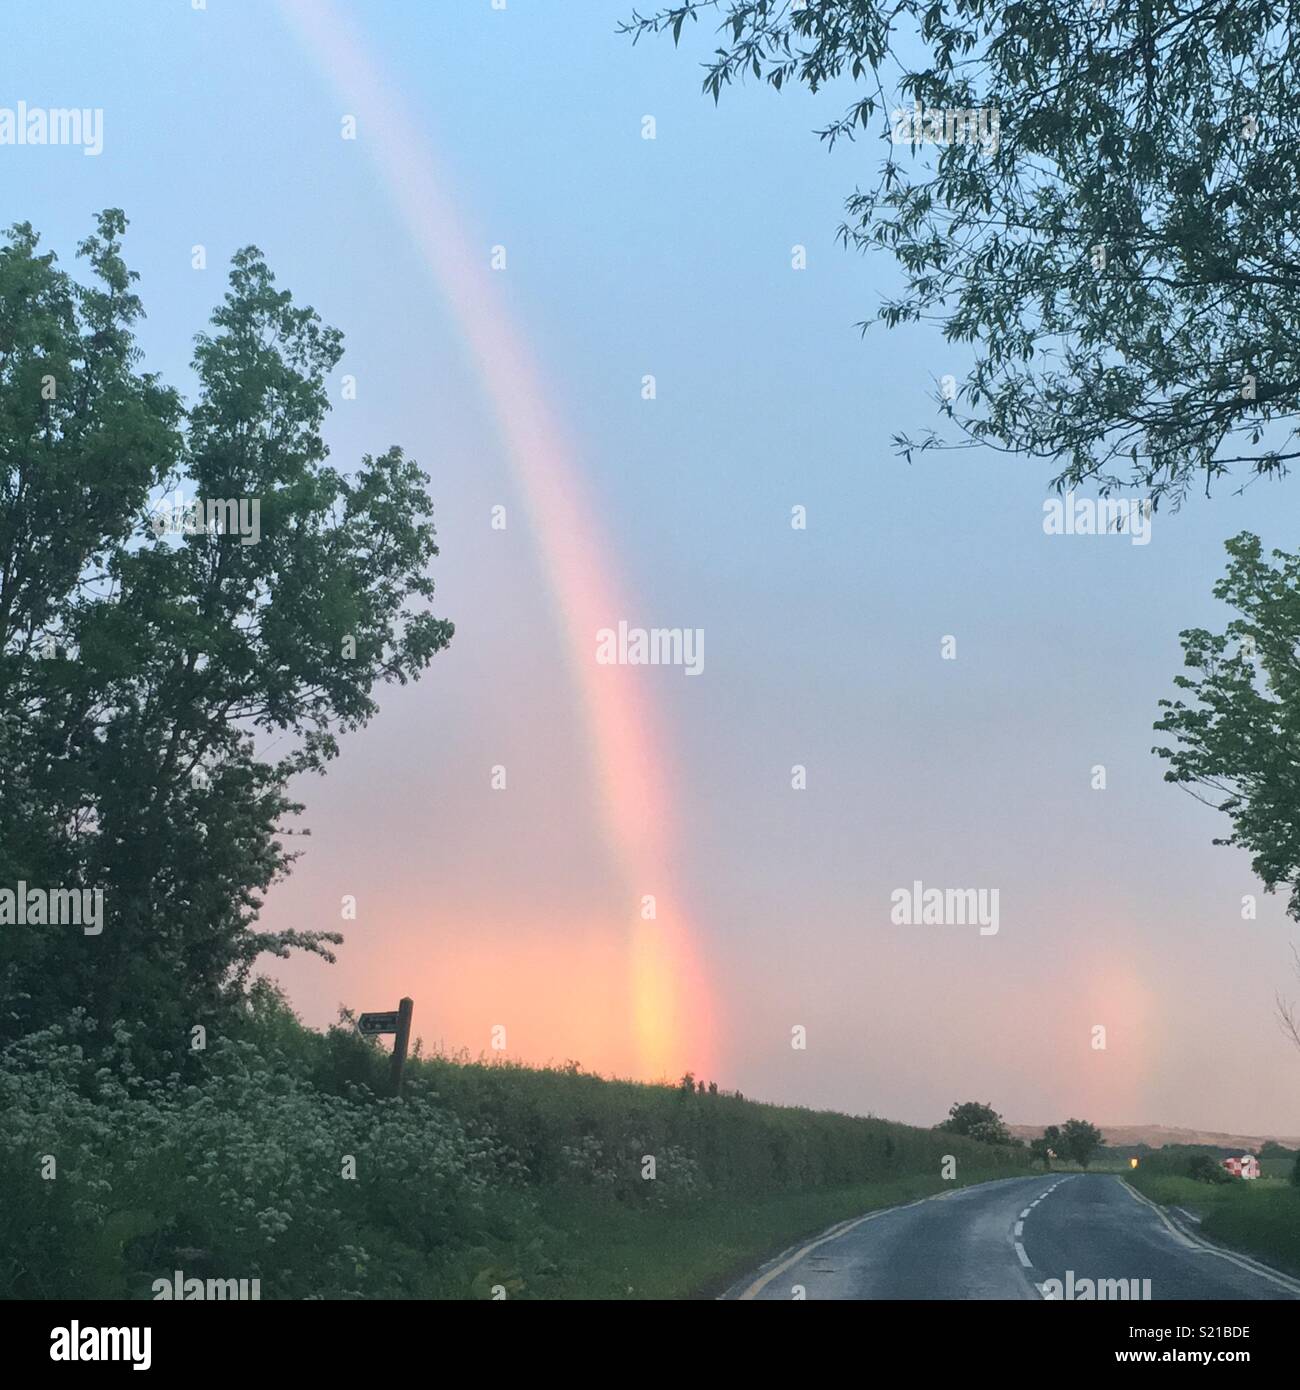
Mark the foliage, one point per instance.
(1080, 1141)
(1204, 1168)
(1121, 259)
(549, 1117)
(145, 678)
(240, 1175)
(1237, 731)
(976, 1120)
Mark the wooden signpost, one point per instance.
(398, 1022)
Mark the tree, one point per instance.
(144, 678)
(1237, 732)
(1047, 1146)
(1207, 1168)
(1098, 200)
(1079, 1141)
(977, 1121)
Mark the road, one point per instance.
(1008, 1240)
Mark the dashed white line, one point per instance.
(1019, 1230)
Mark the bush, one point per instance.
(111, 1182)
(566, 1127)
(1206, 1169)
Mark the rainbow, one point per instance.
(673, 1018)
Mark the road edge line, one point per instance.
(1246, 1262)
(789, 1259)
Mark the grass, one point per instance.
(1259, 1218)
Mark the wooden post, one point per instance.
(404, 1010)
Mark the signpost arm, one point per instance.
(404, 1011)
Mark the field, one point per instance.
(278, 1159)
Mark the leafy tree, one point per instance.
(1121, 256)
(1237, 731)
(1206, 1168)
(1080, 1141)
(976, 1120)
(144, 679)
(1047, 1145)
(1295, 1172)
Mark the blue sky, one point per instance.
(673, 257)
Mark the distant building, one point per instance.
(1247, 1166)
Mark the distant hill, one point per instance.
(1157, 1136)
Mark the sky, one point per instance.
(510, 259)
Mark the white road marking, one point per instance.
(841, 1228)
(1020, 1229)
(1251, 1266)
(1165, 1221)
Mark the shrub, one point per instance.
(1204, 1168)
(111, 1181)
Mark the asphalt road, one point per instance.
(1008, 1240)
